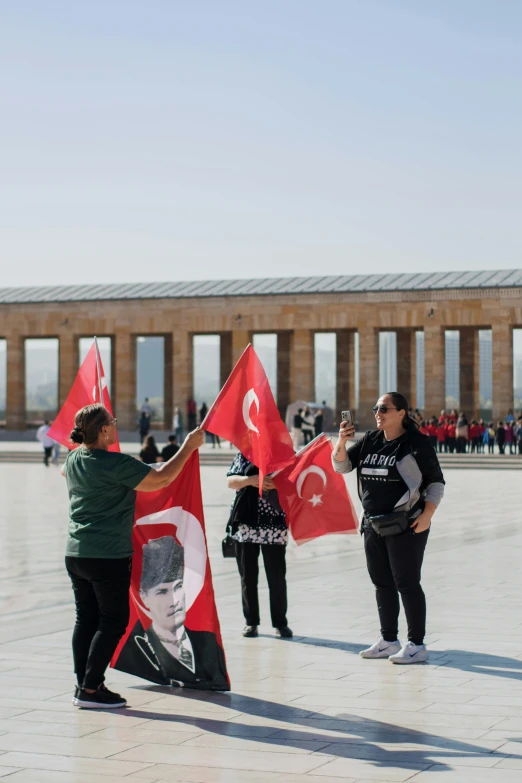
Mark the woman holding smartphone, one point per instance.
(400, 485)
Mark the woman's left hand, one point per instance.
(421, 524)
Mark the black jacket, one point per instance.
(417, 464)
(144, 655)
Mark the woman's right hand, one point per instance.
(346, 431)
(268, 482)
(195, 439)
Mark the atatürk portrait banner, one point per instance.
(173, 637)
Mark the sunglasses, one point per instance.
(383, 408)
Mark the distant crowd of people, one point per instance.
(453, 432)
(306, 426)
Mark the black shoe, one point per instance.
(284, 632)
(104, 689)
(249, 631)
(100, 700)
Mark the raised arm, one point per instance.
(168, 471)
(340, 459)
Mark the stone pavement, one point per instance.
(302, 711)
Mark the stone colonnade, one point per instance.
(294, 319)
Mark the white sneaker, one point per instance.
(381, 649)
(411, 653)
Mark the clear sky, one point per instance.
(171, 140)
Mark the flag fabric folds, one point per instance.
(245, 413)
(88, 388)
(173, 637)
(314, 498)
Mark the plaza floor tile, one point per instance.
(309, 710)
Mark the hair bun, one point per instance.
(77, 435)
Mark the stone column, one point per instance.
(502, 351)
(283, 371)
(469, 371)
(345, 373)
(124, 380)
(414, 371)
(368, 376)
(302, 365)
(225, 356)
(182, 369)
(434, 370)
(240, 340)
(168, 383)
(15, 392)
(406, 362)
(68, 364)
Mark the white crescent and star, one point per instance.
(96, 387)
(315, 500)
(249, 398)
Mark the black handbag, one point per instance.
(389, 524)
(228, 546)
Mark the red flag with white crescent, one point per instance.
(173, 636)
(313, 496)
(245, 413)
(89, 387)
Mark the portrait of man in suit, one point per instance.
(168, 652)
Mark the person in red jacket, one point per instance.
(441, 436)
(451, 435)
(474, 435)
(432, 432)
(424, 428)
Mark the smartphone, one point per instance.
(347, 416)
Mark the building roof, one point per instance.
(274, 286)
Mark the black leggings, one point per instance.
(274, 558)
(394, 564)
(101, 594)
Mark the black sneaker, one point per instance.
(284, 632)
(100, 700)
(250, 631)
(104, 688)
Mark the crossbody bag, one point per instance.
(389, 524)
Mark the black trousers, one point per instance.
(394, 564)
(274, 559)
(462, 445)
(48, 453)
(101, 594)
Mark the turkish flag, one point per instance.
(245, 413)
(313, 496)
(88, 388)
(172, 596)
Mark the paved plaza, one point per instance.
(308, 710)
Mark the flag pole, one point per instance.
(98, 370)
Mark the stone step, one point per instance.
(224, 458)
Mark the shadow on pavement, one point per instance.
(360, 738)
